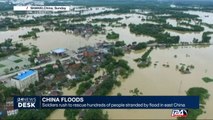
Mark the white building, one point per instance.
(71, 77)
(24, 79)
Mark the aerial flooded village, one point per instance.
(106, 48)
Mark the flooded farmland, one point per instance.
(70, 41)
(166, 81)
(162, 81)
(206, 17)
(154, 80)
(51, 40)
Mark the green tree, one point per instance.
(119, 94)
(2, 98)
(60, 67)
(140, 46)
(83, 87)
(119, 43)
(6, 70)
(112, 35)
(117, 52)
(70, 114)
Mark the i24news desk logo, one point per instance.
(179, 113)
(26, 102)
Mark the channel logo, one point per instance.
(26, 102)
(179, 113)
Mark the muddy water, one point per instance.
(206, 17)
(59, 113)
(127, 18)
(166, 81)
(150, 81)
(172, 22)
(188, 36)
(52, 40)
(125, 35)
(13, 34)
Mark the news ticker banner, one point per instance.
(106, 102)
(41, 8)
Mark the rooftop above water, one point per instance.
(24, 74)
(59, 50)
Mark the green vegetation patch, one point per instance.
(112, 35)
(95, 114)
(199, 91)
(207, 24)
(205, 37)
(83, 87)
(207, 79)
(80, 19)
(117, 52)
(121, 66)
(145, 59)
(18, 60)
(71, 114)
(107, 19)
(113, 68)
(194, 28)
(156, 31)
(146, 29)
(1, 65)
(140, 46)
(36, 30)
(181, 15)
(29, 35)
(8, 48)
(204, 95)
(136, 92)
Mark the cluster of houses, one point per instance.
(56, 53)
(42, 58)
(84, 30)
(90, 57)
(85, 60)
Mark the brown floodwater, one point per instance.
(150, 81)
(127, 18)
(166, 81)
(51, 40)
(206, 17)
(14, 33)
(189, 36)
(59, 113)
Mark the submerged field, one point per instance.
(162, 77)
